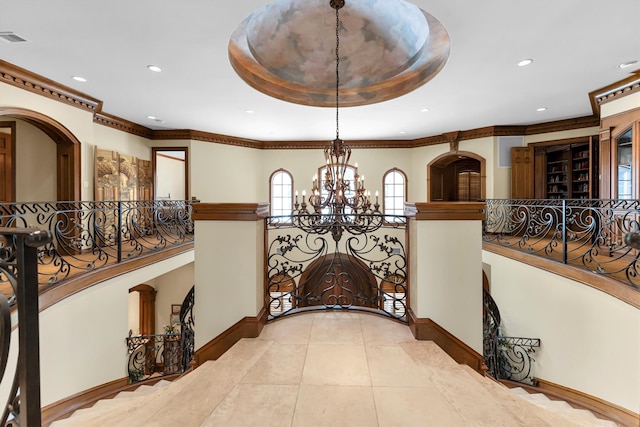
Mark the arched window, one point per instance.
(394, 192)
(281, 185)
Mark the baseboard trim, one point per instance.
(427, 330)
(601, 408)
(247, 327)
(65, 407)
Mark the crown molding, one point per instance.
(32, 82)
(24, 79)
(614, 90)
(122, 125)
(197, 135)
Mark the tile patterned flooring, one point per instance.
(327, 369)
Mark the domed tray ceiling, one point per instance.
(387, 48)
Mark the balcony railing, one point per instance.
(87, 236)
(589, 234)
(308, 269)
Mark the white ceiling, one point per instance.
(576, 46)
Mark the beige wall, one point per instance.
(229, 274)
(171, 288)
(170, 175)
(446, 277)
(35, 164)
(590, 341)
(82, 338)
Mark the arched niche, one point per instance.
(67, 150)
(456, 176)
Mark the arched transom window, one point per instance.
(394, 192)
(281, 193)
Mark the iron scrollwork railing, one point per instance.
(18, 269)
(508, 358)
(164, 354)
(187, 329)
(153, 355)
(307, 270)
(588, 234)
(90, 235)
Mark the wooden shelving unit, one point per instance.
(561, 169)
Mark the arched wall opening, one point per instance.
(456, 176)
(68, 178)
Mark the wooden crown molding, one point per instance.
(24, 79)
(122, 125)
(615, 90)
(229, 211)
(27, 80)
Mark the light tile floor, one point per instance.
(329, 369)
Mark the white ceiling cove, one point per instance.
(576, 46)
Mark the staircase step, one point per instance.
(190, 399)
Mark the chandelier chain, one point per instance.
(337, 72)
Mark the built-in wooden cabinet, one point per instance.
(564, 169)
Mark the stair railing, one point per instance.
(19, 268)
(509, 358)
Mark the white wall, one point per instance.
(590, 341)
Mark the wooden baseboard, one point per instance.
(65, 407)
(428, 330)
(600, 408)
(248, 327)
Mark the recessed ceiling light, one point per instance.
(524, 62)
(249, 111)
(424, 110)
(79, 79)
(154, 68)
(154, 118)
(627, 64)
(541, 109)
(402, 132)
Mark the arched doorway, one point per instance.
(68, 181)
(146, 309)
(456, 176)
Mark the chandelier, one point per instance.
(338, 199)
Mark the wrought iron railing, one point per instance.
(187, 329)
(589, 234)
(153, 356)
(310, 270)
(18, 265)
(159, 355)
(90, 235)
(508, 358)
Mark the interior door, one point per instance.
(7, 184)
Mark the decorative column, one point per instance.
(229, 275)
(445, 297)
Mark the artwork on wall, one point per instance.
(121, 177)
